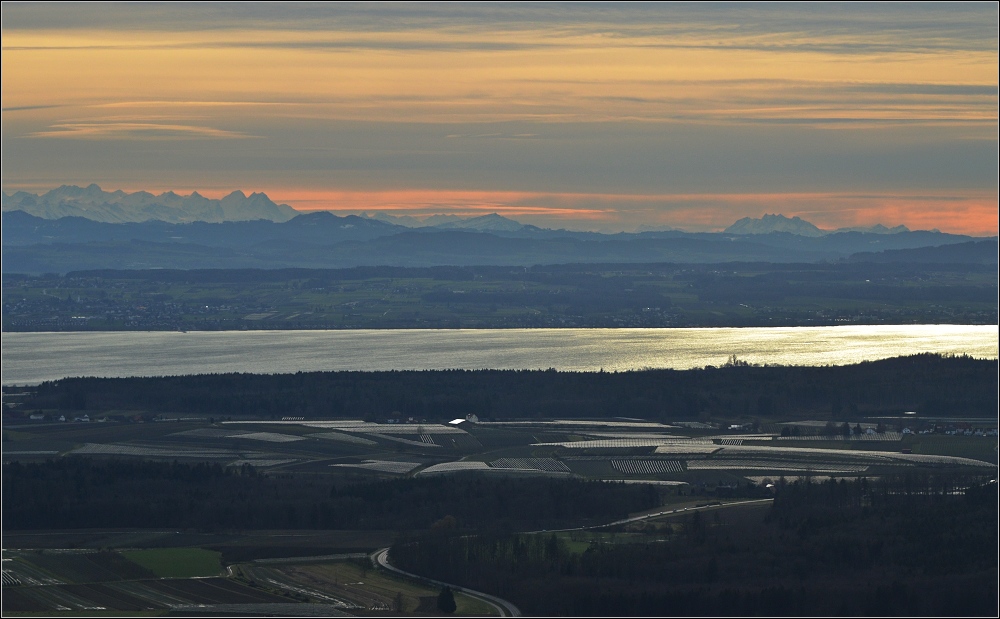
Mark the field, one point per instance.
(104, 582)
(312, 572)
(177, 581)
(355, 585)
(593, 449)
(177, 562)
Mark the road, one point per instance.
(505, 608)
(668, 512)
(665, 512)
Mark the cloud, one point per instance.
(135, 131)
(314, 45)
(28, 108)
(962, 23)
(492, 136)
(654, 100)
(155, 103)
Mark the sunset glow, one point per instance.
(582, 117)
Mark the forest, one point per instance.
(930, 385)
(902, 545)
(913, 543)
(78, 493)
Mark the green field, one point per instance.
(177, 562)
(361, 584)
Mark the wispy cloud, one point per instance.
(959, 24)
(28, 108)
(135, 131)
(492, 136)
(314, 45)
(552, 100)
(191, 103)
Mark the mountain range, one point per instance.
(93, 203)
(72, 228)
(323, 240)
(795, 225)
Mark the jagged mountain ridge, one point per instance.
(798, 226)
(94, 203)
(774, 223)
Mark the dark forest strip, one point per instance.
(931, 385)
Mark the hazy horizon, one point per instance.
(409, 219)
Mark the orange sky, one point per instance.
(655, 115)
(976, 215)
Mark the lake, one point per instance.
(30, 358)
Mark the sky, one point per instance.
(581, 116)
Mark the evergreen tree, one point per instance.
(446, 601)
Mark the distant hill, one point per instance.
(93, 203)
(319, 228)
(322, 240)
(877, 229)
(973, 252)
(492, 222)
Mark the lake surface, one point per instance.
(30, 358)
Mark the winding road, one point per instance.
(668, 512)
(505, 608)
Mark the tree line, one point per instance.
(77, 492)
(928, 384)
(909, 545)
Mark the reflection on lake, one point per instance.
(30, 358)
